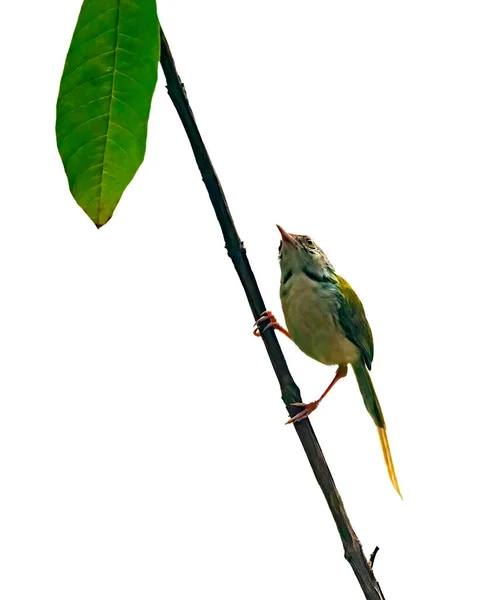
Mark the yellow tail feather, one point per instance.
(388, 458)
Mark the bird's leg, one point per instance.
(267, 315)
(341, 372)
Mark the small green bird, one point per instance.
(326, 320)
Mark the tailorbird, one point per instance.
(326, 320)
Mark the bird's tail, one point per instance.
(374, 409)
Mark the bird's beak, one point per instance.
(287, 238)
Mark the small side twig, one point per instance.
(373, 557)
(290, 393)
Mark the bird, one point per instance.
(326, 320)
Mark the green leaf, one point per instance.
(104, 101)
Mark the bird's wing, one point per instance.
(352, 319)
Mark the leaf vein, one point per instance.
(122, 127)
(61, 98)
(119, 146)
(94, 38)
(129, 106)
(80, 125)
(98, 137)
(130, 36)
(109, 107)
(127, 51)
(105, 172)
(85, 62)
(84, 171)
(133, 79)
(95, 18)
(82, 106)
(92, 188)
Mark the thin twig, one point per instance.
(373, 557)
(289, 390)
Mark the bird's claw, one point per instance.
(304, 414)
(267, 315)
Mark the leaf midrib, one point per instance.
(117, 38)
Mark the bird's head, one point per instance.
(301, 253)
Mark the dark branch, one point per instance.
(289, 390)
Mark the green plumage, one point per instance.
(354, 323)
(368, 393)
(352, 319)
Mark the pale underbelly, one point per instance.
(314, 330)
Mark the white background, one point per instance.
(143, 452)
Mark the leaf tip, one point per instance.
(100, 225)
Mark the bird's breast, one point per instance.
(311, 314)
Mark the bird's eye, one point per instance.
(310, 242)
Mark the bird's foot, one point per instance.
(304, 414)
(267, 315)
